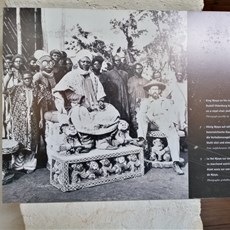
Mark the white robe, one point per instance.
(75, 81)
(97, 122)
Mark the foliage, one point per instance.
(168, 38)
(170, 34)
(82, 39)
(129, 28)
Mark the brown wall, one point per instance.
(216, 5)
(215, 213)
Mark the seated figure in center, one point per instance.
(79, 98)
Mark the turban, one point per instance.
(83, 53)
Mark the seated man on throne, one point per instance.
(79, 98)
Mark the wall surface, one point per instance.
(176, 214)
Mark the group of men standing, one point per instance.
(94, 101)
(27, 95)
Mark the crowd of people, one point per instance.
(91, 99)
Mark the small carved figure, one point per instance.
(159, 152)
(57, 176)
(94, 171)
(122, 136)
(121, 165)
(106, 167)
(134, 163)
(78, 173)
(71, 141)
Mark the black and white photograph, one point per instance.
(94, 105)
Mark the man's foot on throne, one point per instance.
(111, 147)
(177, 168)
(140, 141)
(83, 149)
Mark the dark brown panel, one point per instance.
(216, 5)
(215, 213)
(216, 2)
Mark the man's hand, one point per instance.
(89, 109)
(41, 124)
(101, 104)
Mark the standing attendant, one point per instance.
(12, 78)
(116, 89)
(27, 118)
(58, 57)
(45, 78)
(136, 93)
(7, 65)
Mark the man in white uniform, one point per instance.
(160, 112)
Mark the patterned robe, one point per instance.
(25, 115)
(14, 80)
(45, 84)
